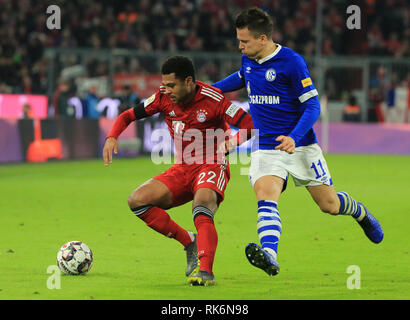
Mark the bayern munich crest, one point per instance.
(201, 115)
(270, 74)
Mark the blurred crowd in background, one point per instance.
(184, 25)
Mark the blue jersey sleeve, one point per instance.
(231, 83)
(304, 89)
(310, 115)
(302, 83)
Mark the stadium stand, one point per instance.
(174, 26)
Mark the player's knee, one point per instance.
(206, 198)
(138, 198)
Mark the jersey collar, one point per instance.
(260, 61)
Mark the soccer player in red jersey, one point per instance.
(196, 115)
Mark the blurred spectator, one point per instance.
(175, 26)
(90, 103)
(379, 85)
(64, 92)
(351, 112)
(129, 97)
(27, 111)
(393, 44)
(375, 40)
(193, 42)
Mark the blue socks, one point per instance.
(269, 226)
(349, 206)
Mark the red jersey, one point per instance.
(197, 127)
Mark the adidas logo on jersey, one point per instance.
(172, 114)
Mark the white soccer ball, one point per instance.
(74, 258)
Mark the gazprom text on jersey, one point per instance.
(259, 99)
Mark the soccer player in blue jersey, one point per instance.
(284, 106)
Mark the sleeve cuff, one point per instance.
(307, 95)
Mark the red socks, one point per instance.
(207, 240)
(158, 220)
(207, 237)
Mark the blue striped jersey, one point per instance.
(278, 87)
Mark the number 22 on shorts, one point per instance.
(210, 178)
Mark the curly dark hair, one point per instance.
(180, 65)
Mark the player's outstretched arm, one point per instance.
(120, 124)
(231, 83)
(110, 146)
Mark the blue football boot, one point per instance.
(261, 259)
(371, 226)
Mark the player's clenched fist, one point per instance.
(287, 144)
(111, 144)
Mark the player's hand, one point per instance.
(111, 144)
(287, 144)
(227, 147)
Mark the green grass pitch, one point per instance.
(42, 206)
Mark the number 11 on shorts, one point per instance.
(314, 167)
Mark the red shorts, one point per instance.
(184, 180)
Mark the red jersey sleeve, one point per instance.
(153, 104)
(238, 118)
(121, 123)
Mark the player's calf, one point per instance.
(326, 198)
(160, 221)
(146, 203)
(207, 237)
(330, 207)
